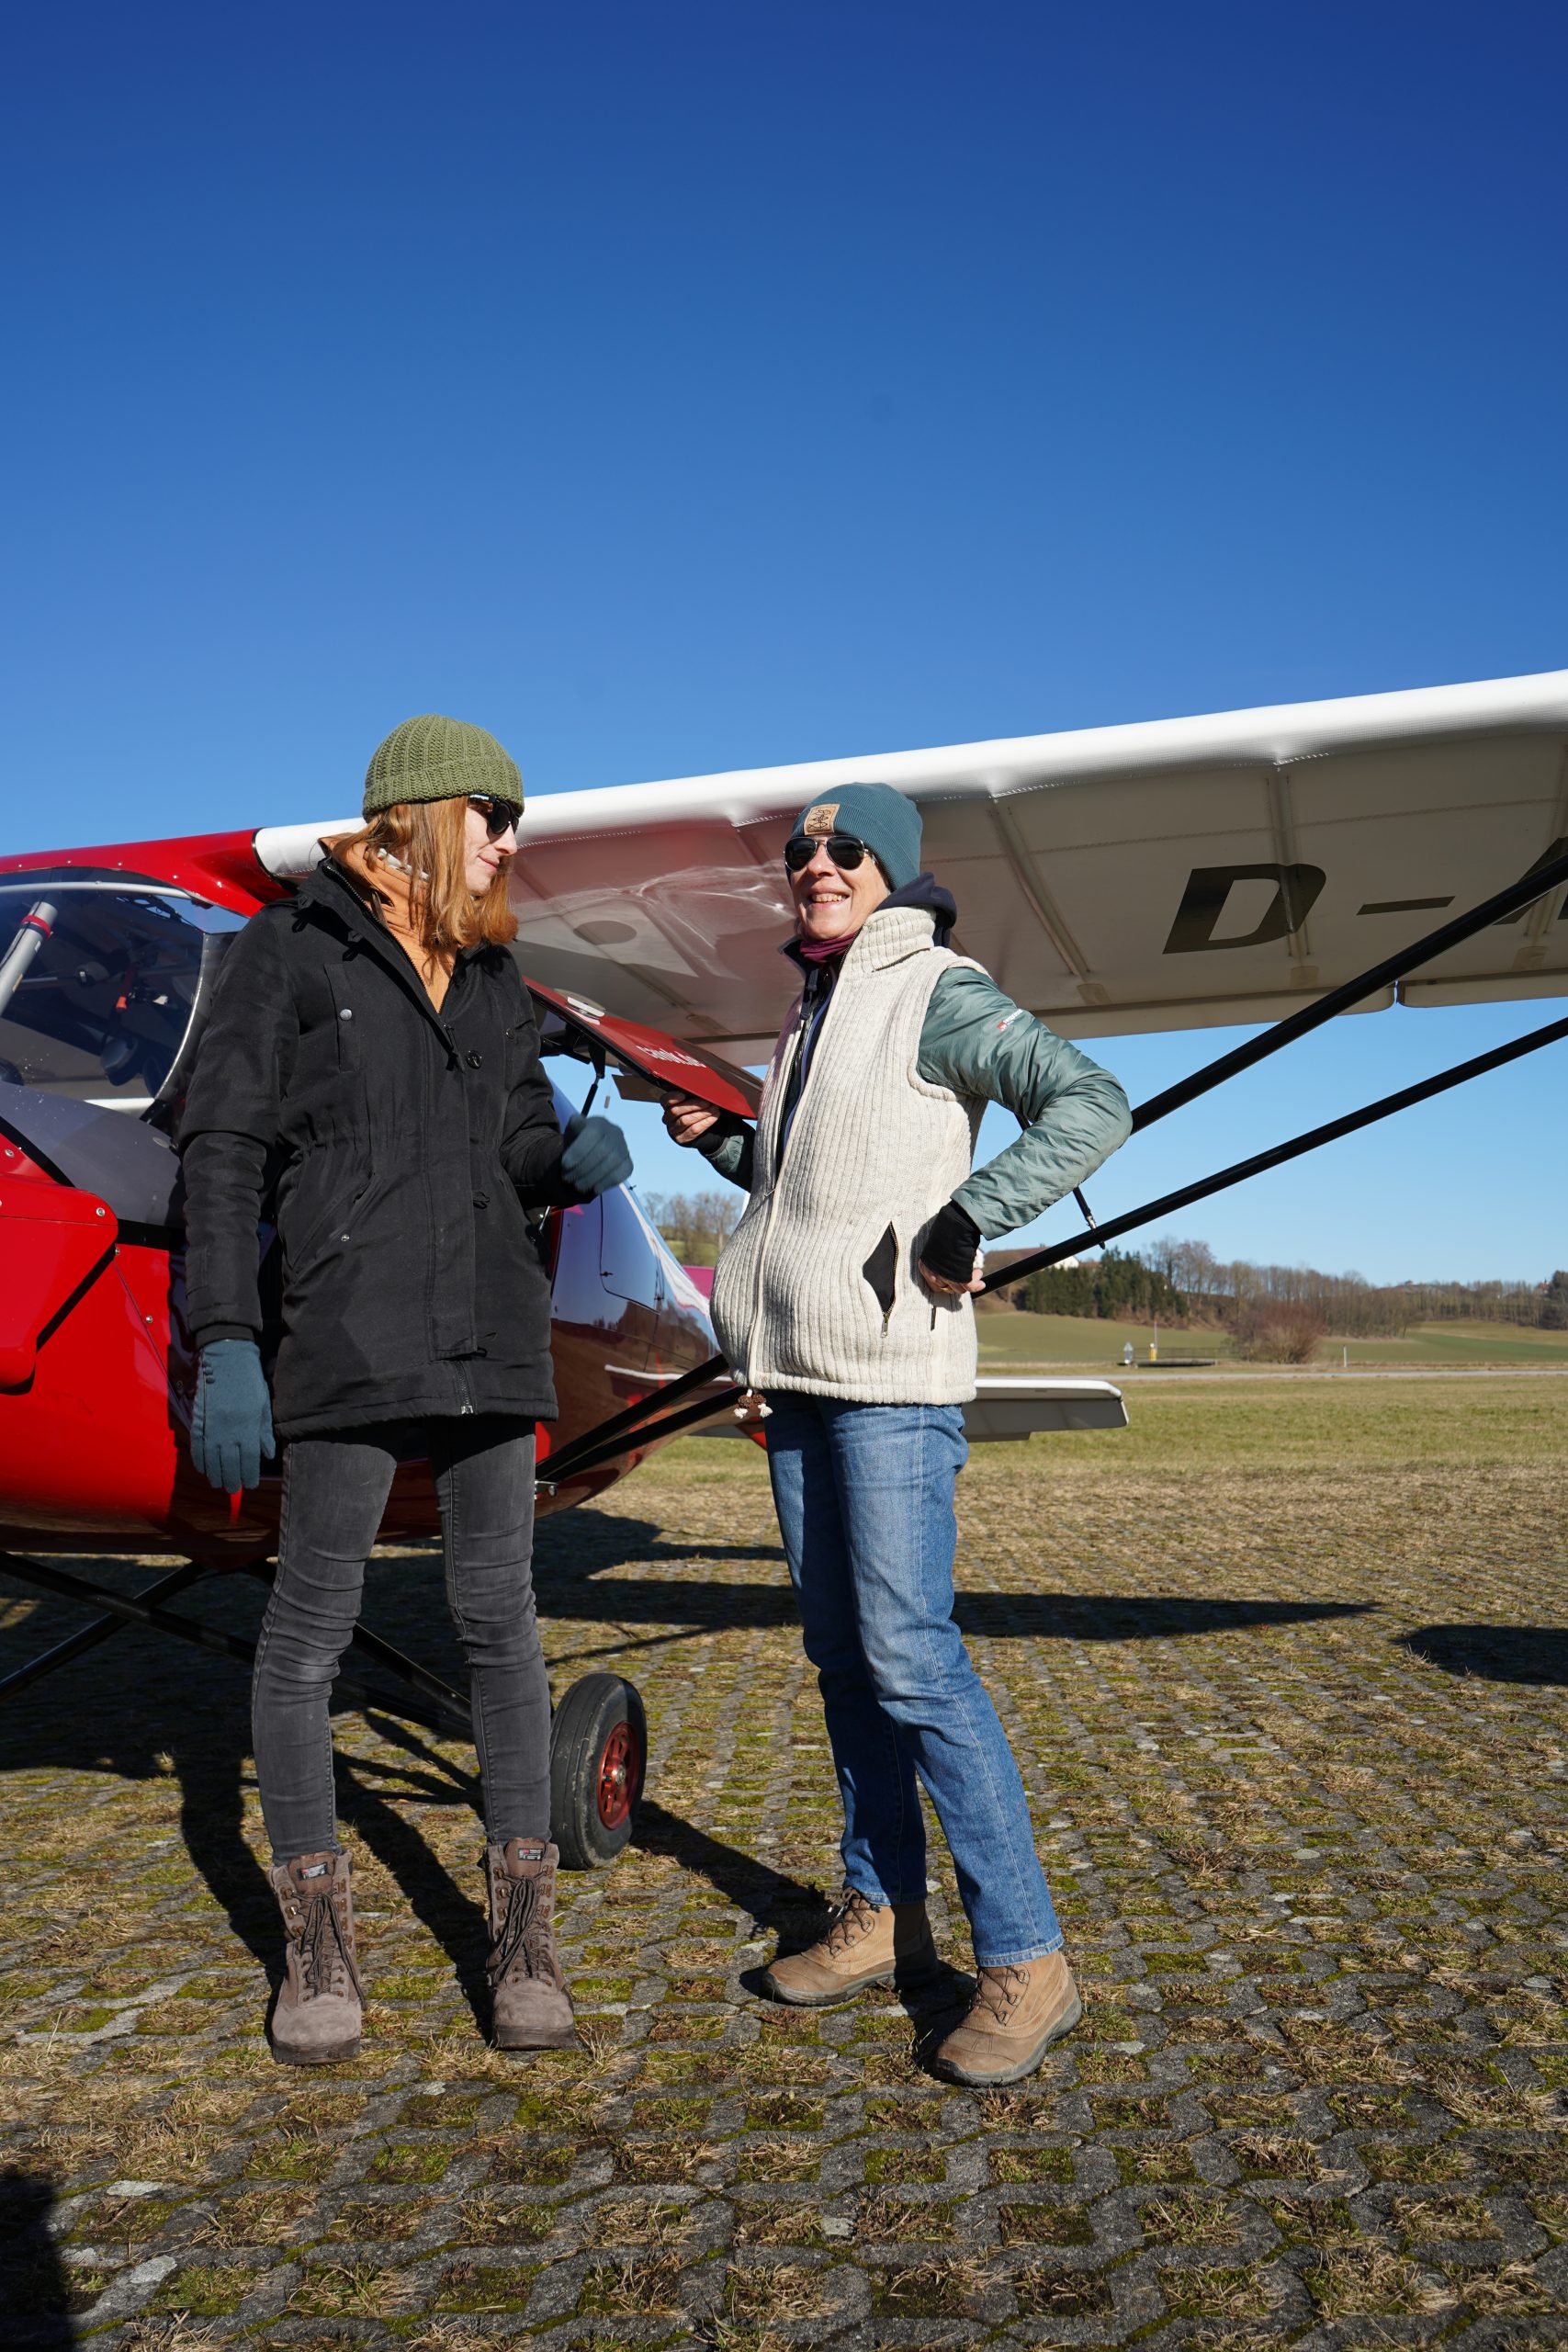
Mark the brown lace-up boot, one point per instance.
(865, 1943)
(318, 2018)
(533, 2007)
(1016, 2015)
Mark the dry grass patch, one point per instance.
(491, 2218)
(779, 2291)
(353, 2291)
(626, 2289)
(524, 2162)
(1513, 2287)
(1044, 2294)
(1364, 2280)
(886, 2218)
(780, 2160)
(179, 2333)
(655, 2160)
(1264, 2153)
(262, 2217)
(1190, 2219)
(636, 2222)
(1218, 2294)
(951, 2289)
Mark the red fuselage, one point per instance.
(97, 1366)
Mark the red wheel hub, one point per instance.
(620, 1775)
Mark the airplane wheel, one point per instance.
(598, 1763)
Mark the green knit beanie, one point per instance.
(439, 759)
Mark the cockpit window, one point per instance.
(104, 983)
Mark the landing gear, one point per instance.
(598, 1763)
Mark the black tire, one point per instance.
(598, 1767)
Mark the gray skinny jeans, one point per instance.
(334, 1490)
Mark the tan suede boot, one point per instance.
(1016, 2015)
(319, 2016)
(532, 2009)
(865, 1943)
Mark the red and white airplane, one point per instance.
(1230, 869)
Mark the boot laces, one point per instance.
(999, 1991)
(523, 1940)
(324, 1962)
(852, 1921)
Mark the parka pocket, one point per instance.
(324, 1196)
(881, 1271)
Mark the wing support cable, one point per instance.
(1238, 1173)
(650, 1423)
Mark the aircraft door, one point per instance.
(629, 1268)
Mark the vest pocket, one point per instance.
(881, 1270)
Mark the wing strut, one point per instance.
(1332, 1130)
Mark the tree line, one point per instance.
(1214, 1289)
(1176, 1281)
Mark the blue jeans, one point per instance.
(865, 1499)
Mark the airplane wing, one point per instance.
(1011, 1408)
(1172, 875)
(1016, 1407)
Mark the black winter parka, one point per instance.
(396, 1146)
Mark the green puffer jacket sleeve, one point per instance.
(1074, 1115)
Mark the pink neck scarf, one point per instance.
(822, 950)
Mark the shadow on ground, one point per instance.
(1494, 1653)
(146, 1708)
(34, 2296)
(1044, 1616)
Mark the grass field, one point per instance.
(1285, 1669)
(1012, 1342)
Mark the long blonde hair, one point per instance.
(428, 838)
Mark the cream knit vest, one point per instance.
(872, 1146)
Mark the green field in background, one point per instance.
(1009, 1340)
(1272, 1427)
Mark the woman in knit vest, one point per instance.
(369, 1081)
(844, 1297)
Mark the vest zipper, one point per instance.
(772, 1188)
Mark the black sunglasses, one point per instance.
(499, 816)
(842, 848)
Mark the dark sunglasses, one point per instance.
(499, 816)
(842, 848)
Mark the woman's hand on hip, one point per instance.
(949, 1258)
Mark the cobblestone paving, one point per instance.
(1293, 1726)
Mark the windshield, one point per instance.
(104, 983)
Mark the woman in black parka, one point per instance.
(369, 1079)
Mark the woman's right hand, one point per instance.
(230, 1428)
(686, 1119)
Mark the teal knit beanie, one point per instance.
(874, 813)
(439, 759)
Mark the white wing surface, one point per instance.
(1165, 876)
(1012, 1409)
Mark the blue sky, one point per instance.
(682, 388)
